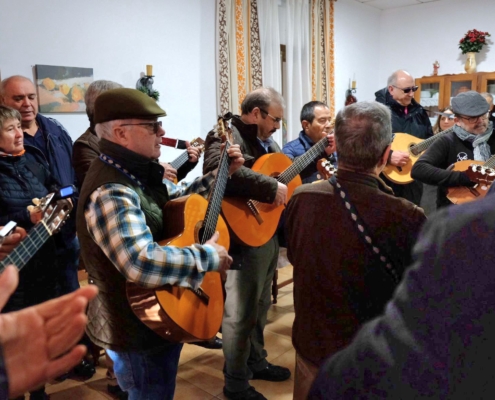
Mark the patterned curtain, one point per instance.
(322, 52)
(239, 55)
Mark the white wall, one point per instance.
(414, 37)
(357, 49)
(117, 40)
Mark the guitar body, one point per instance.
(256, 230)
(402, 175)
(178, 314)
(462, 194)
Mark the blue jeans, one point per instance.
(147, 375)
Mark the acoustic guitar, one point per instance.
(415, 147)
(55, 209)
(254, 223)
(483, 173)
(181, 314)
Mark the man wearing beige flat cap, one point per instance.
(119, 221)
(472, 139)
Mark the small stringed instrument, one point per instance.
(254, 223)
(415, 147)
(182, 159)
(326, 168)
(55, 209)
(181, 314)
(483, 173)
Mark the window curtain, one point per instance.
(322, 52)
(268, 13)
(239, 53)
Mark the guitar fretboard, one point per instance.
(28, 247)
(216, 196)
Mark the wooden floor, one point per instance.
(200, 373)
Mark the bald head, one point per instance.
(398, 82)
(19, 93)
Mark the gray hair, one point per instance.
(262, 98)
(392, 79)
(105, 129)
(362, 132)
(94, 90)
(7, 113)
(487, 96)
(6, 81)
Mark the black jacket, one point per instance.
(416, 123)
(431, 168)
(23, 178)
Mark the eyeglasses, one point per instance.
(407, 89)
(472, 120)
(155, 125)
(275, 119)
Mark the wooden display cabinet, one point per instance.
(435, 92)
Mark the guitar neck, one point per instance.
(303, 161)
(21, 255)
(180, 161)
(216, 195)
(490, 163)
(420, 147)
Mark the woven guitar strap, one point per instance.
(363, 231)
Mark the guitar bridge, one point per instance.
(254, 210)
(202, 295)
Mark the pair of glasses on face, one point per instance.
(275, 119)
(472, 120)
(154, 125)
(407, 89)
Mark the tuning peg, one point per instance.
(30, 208)
(36, 201)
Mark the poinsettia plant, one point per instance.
(473, 41)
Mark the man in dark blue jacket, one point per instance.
(316, 124)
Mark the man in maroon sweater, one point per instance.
(339, 281)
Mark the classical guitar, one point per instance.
(483, 173)
(325, 168)
(415, 147)
(55, 209)
(181, 314)
(254, 223)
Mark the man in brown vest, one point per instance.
(119, 222)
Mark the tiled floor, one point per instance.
(200, 373)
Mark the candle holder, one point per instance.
(145, 85)
(349, 97)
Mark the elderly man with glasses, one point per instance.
(471, 139)
(119, 222)
(407, 117)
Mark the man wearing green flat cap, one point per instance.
(472, 139)
(119, 221)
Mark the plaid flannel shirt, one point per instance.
(118, 225)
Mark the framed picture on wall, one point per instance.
(62, 89)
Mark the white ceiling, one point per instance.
(387, 4)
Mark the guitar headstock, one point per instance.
(480, 174)
(223, 128)
(325, 168)
(199, 143)
(55, 208)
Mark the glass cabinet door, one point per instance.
(456, 84)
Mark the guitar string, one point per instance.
(420, 147)
(28, 246)
(286, 176)
(217, 192)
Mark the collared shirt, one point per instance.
(117, 223)
(266, 143)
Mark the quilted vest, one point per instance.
(112, 324)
